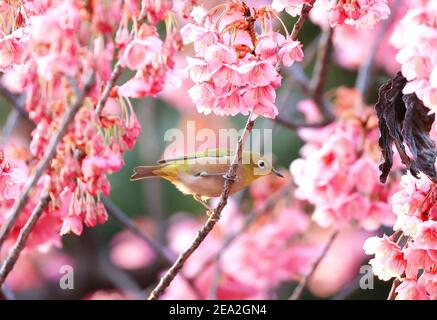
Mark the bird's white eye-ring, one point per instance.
(261, 164)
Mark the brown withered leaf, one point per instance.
(404, 119)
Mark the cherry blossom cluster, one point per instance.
(271, 252)
(362, 14)
(47, 49)
(151, 58)
(416, 37)
(410, 254)
(338, 172)
(359, 13)
(235, 68)
(347, 39)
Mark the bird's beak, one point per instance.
(277, 173)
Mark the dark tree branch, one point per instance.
(297, 293)
(14, 254)
(394, 286)
(6, 293)
(364, 73)
(9, 125)
(116, 73)
(321, 70)
(313, 88)
(15, 100)
(125, 221)
(306, 8)
(119, 278)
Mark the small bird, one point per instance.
(202, 174)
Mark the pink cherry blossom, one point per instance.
(141, 52)
(290, 52)
(267, 47)
(348, 36)
(71, 224)
(293, 7)
(426, 237)
(217, 55)
(338, 175)
(389, 260)
(11, 51)
(429, 281)
(130, 252)
(414, 205)
(359, 13)
(261, 101)
(10, 183)
(411, 289)
(259, 73)
(11, 179)
(415, 37)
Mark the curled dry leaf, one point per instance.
(404, 120)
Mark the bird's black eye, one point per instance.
(261, 163)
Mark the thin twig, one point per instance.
(297, 293)
(212, 220)
(321, 69)
(119, 278)
(306, 8)
(10, 124)
(116, 72)
(297, 73)
(363, 77)
(392, 294)
(45, 161)
(15, 100)
(15, 252)
(314, 88)
(124, 220)
(7, 293)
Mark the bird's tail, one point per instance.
(144, 172)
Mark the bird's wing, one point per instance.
(200, 154)
(207, 174)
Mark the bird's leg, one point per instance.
(198, 198)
